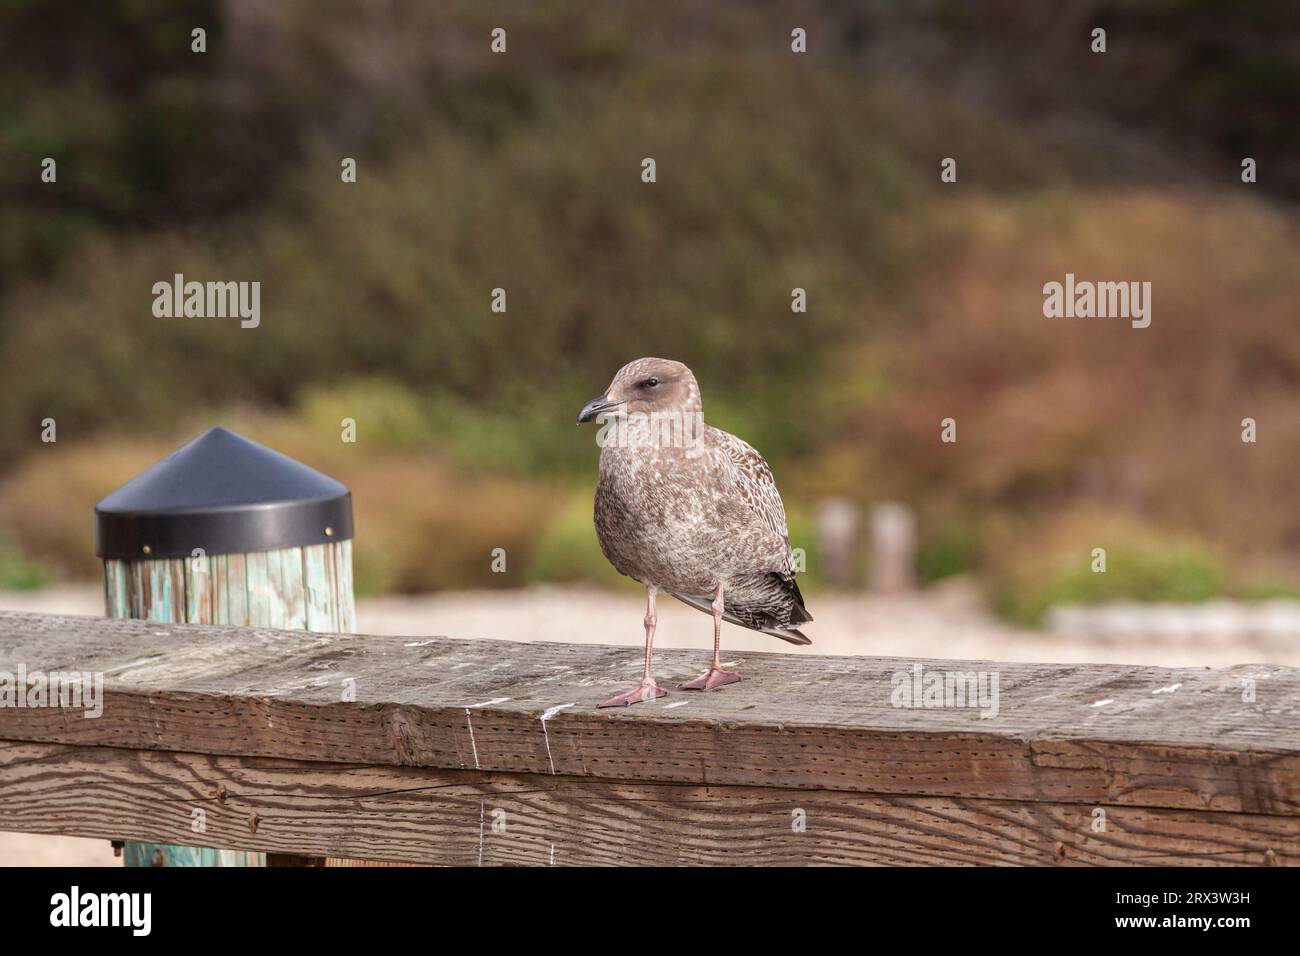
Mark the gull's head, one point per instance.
(647, 386)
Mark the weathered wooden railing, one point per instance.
(484, 752)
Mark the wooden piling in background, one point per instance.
(166, 539)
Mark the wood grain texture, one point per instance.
(470, 818)
(1079, 734)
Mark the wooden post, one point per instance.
(893, 549)
(838, 521)
(226, 531)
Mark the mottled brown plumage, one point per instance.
(687, 508)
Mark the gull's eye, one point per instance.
(652, 382)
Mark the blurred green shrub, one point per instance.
(568, 551)
(1150, 573)
(945, 552)
(387, 414)
(1268, 589)
(1055, 567)
(20, 574)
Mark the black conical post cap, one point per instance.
(226, 495)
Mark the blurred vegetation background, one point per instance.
(775, 170)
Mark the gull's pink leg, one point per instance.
(715, 676)
(648, 689)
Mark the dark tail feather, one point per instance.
(760, 618)
(798, 614)
(788, 634)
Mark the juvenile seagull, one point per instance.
(686, 508)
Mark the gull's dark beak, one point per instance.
(599, 404)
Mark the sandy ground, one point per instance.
(945, 622)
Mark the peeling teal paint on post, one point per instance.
(160, 854)
(343, 597)
(308, 588)
(292, 591)
(260, 611)
(198, 588)
(318, 574)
